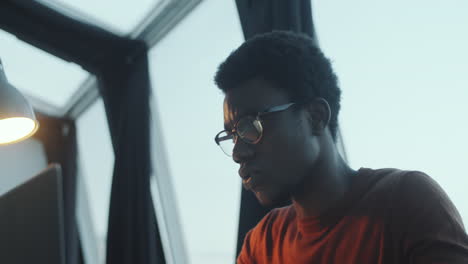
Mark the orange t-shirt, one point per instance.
(388, 216)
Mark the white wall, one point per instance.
(20, 162)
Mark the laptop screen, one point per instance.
(31, 220)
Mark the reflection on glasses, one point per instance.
(248, 128)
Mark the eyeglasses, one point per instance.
(249, 129)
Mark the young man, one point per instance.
(280, 118)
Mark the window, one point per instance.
(37, 73)
(402, 68)
(121, 16)
(97, 162)
(189, 106)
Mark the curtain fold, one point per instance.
(261, 16)
(125, 87)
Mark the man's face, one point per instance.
(278, 163)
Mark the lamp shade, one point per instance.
(17, 119)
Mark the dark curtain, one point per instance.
(125, 87)
(69, 39)
(261, 16)
(121, 66)
(58, 137)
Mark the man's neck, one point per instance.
(325, 186)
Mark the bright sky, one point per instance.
(402, 66)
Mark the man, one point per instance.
(281, 118)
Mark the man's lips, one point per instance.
(251, 182)
(250, 178)
(247, 182)
(244, 173)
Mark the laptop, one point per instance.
(32, 220)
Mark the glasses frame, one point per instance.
(235, 134)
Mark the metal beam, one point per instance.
(82, 99)
(43, 106)
(78, 15)
(163, 18)
(164, 21)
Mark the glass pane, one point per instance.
(402, 67)
(205, 180)
(97, 163)
(38, 73)
(121, 15)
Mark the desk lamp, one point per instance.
(17, 119)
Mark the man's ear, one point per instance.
(319, 114)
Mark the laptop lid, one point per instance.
(32, 220)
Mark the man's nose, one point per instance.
(242, 151)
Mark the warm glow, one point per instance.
(16, 129)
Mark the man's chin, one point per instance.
(268, 200)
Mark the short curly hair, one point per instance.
(290, 60)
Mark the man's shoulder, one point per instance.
(389, 184)
(388, 191)
(418, 193)
(397, 192)
(414, 196)
(422, 211)
(400, 181)
(393, 181)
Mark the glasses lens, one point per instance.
(226, 142)
(249, 129)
